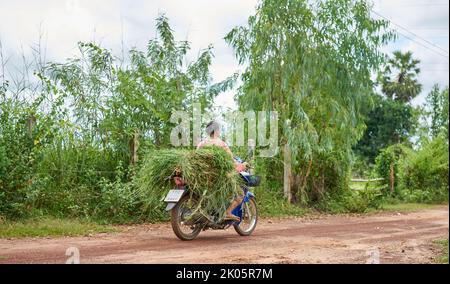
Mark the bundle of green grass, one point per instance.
(208, 172)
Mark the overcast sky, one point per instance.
(423, 23)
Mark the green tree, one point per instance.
(158, 81)
(311, 63)
(437, 110)
(119, 105)
(387, 122)
(399, 77)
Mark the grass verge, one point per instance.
(443, 258)
(51, 227)
(406, 206)
(273, 204)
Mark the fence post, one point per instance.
(31, 123)
(287, 173)
(392, 178)
(134, 145)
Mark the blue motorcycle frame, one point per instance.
(238, 210)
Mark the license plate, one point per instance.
(174, 195)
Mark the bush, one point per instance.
(424, 174)
(271, 202)
(118, 202)
(420, 176)
(16, 157)
(351, 201)
(66, 179)
(387, 157)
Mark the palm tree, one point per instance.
(399, 79)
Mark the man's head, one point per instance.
(213, 129)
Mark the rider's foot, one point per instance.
(232, 217)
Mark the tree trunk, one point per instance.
(295, 187)
(287, 172)
(304, 182)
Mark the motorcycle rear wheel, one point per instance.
(179, 219)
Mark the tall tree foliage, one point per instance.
(312, 63)
(158, 81)
(437, 111)
(391, 119)
(399, 78)
(387, 122)
(114, 103)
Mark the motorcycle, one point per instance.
(187, 222)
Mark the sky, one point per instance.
(423, 24)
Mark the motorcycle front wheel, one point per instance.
(249, 218)
(183, 222)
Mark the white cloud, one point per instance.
(64, 23)
(203, 22)
(424, 22)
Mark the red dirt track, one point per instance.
(394, 237)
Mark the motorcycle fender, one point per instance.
(170, 206)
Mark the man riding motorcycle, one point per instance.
(213, 132)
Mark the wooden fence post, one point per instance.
(392, 178)
(287, 173)
(134, 145)
(31, 123)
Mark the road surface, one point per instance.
(388, 237)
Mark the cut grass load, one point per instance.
(209, 173)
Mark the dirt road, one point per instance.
(392, 237)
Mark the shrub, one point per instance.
(424, 174)
(66, 179)
(118, 202)
(16, 157)
(271, 202)
(387, 157)
(351, 201)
